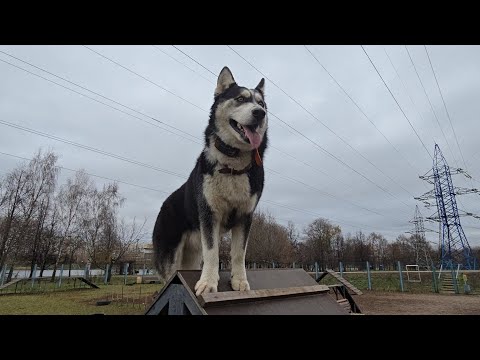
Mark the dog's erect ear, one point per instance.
(261, 86)
(225, 80)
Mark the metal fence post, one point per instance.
(61, 276)
(369, 277)
(455, 284)
(340, 265)
(254, 265)
(401, 276)
(434, 277)
(105, 281)
(34, 274)
(125, 271)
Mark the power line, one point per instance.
(366, 116)
(148, 80)
(144, 78)
(76, 144)
(433, 110)
(96, 100)
(324, 193)
(122, 158)
(304, 136)
(97, 176)
(171, 57)
(165, 192)
(446, 110)
(184, 53)
(312, 213)
(428, 98)
(64, 79)
(336, 158)
(281, 124)
(92, 149)
(319, 121)
(393, 96)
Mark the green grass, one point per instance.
(81, 301)
(390, 281)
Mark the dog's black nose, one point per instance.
(258, 114)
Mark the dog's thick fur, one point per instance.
(221, 193)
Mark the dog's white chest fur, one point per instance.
(224, 192)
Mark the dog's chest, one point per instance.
(224, 192)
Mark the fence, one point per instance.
(404, 278)
(26, 281)
(363, 276)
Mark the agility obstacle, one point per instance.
(273, 292)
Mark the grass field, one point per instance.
(133, 299)
(387, 281)
(130, 300)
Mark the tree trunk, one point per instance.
(54, 272)
(70, 267)
(10, 274)
(109, 275)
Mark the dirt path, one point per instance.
(396, 303)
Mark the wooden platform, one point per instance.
(273, 292)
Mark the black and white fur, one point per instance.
(193, 218)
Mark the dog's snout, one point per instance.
(258, 114)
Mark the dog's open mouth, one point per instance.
(248, 133)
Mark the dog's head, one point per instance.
(239, 114)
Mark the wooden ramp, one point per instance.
(4, 286)
(273, 292)
(340, 279)
(345, 299)
(88, 282)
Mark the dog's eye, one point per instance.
(240, 99)
(261, 103)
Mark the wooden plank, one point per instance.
(87, 282)
(321, 276)
(10, 283)
(344, 282)
(231, 297)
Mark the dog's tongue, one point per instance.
(254, 137)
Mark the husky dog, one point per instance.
(221, 192)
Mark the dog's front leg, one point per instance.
(210, 234)
(237, 253)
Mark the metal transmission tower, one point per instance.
(455, 247)
(419, 242)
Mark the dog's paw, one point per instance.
(240, 284)
(205, 286)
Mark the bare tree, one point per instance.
(99, 222)
(26, 189)
(70, 199)
(49, 239)
(320, 235)
(268, 241)
(13, 194)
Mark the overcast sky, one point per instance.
(369, 186)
